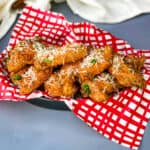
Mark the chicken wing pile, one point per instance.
(73, 69)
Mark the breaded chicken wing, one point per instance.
(106, 83)
(56, 56)
(100, 88)
(90, 89)
(125, 75)
(29, 79)
(98, 60)
(61, 83)
(25, 53)
(21, 55)
(135, 62)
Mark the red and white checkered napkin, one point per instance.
(122, 118)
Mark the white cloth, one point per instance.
(7, 16)
(109, 11)
(42, 4)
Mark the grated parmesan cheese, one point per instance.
(22, 45)
(94, 54)
(117, 61)
(43, 51)
(51, 51)
(105, 77)
(30, 74)
(67, 72)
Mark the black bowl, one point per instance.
(48, 103)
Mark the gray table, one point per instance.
(24, 126)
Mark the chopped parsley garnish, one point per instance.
(86, 88)
(46, 60)
(17, 77)
(94, 61)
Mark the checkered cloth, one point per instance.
(123, 117)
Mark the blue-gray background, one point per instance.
(25, 126)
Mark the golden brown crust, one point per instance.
(29, 79)
(62, 83)
(69, 53)
(127, 76)
(95, 72)
(90, 89)
(21, 55)
(135, 62)
(100, 88)
(95, 63)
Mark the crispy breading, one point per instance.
(61, 83)
(24, 53)
(29, 79)
(90, 89)
(56, 56)
(125, 75)
(134, 62)
(100, 88)
(98, 60)
(21, 55)
(95, 72)
(106, 83)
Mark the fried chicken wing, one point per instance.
(135, 62)
(98, 60)
(106, 83)
(100, 88)
(90, 89)
(21, 55)
(125, 75)
(29, 79)
(61, 83)
(60, 55)
(25, 53)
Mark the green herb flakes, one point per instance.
(46, 60)
(17, 77)
(86, 88)
(94, 61)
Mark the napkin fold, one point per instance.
(109, 11)
(8, 16)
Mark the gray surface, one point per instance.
(24, 126)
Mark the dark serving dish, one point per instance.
(48, 103)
